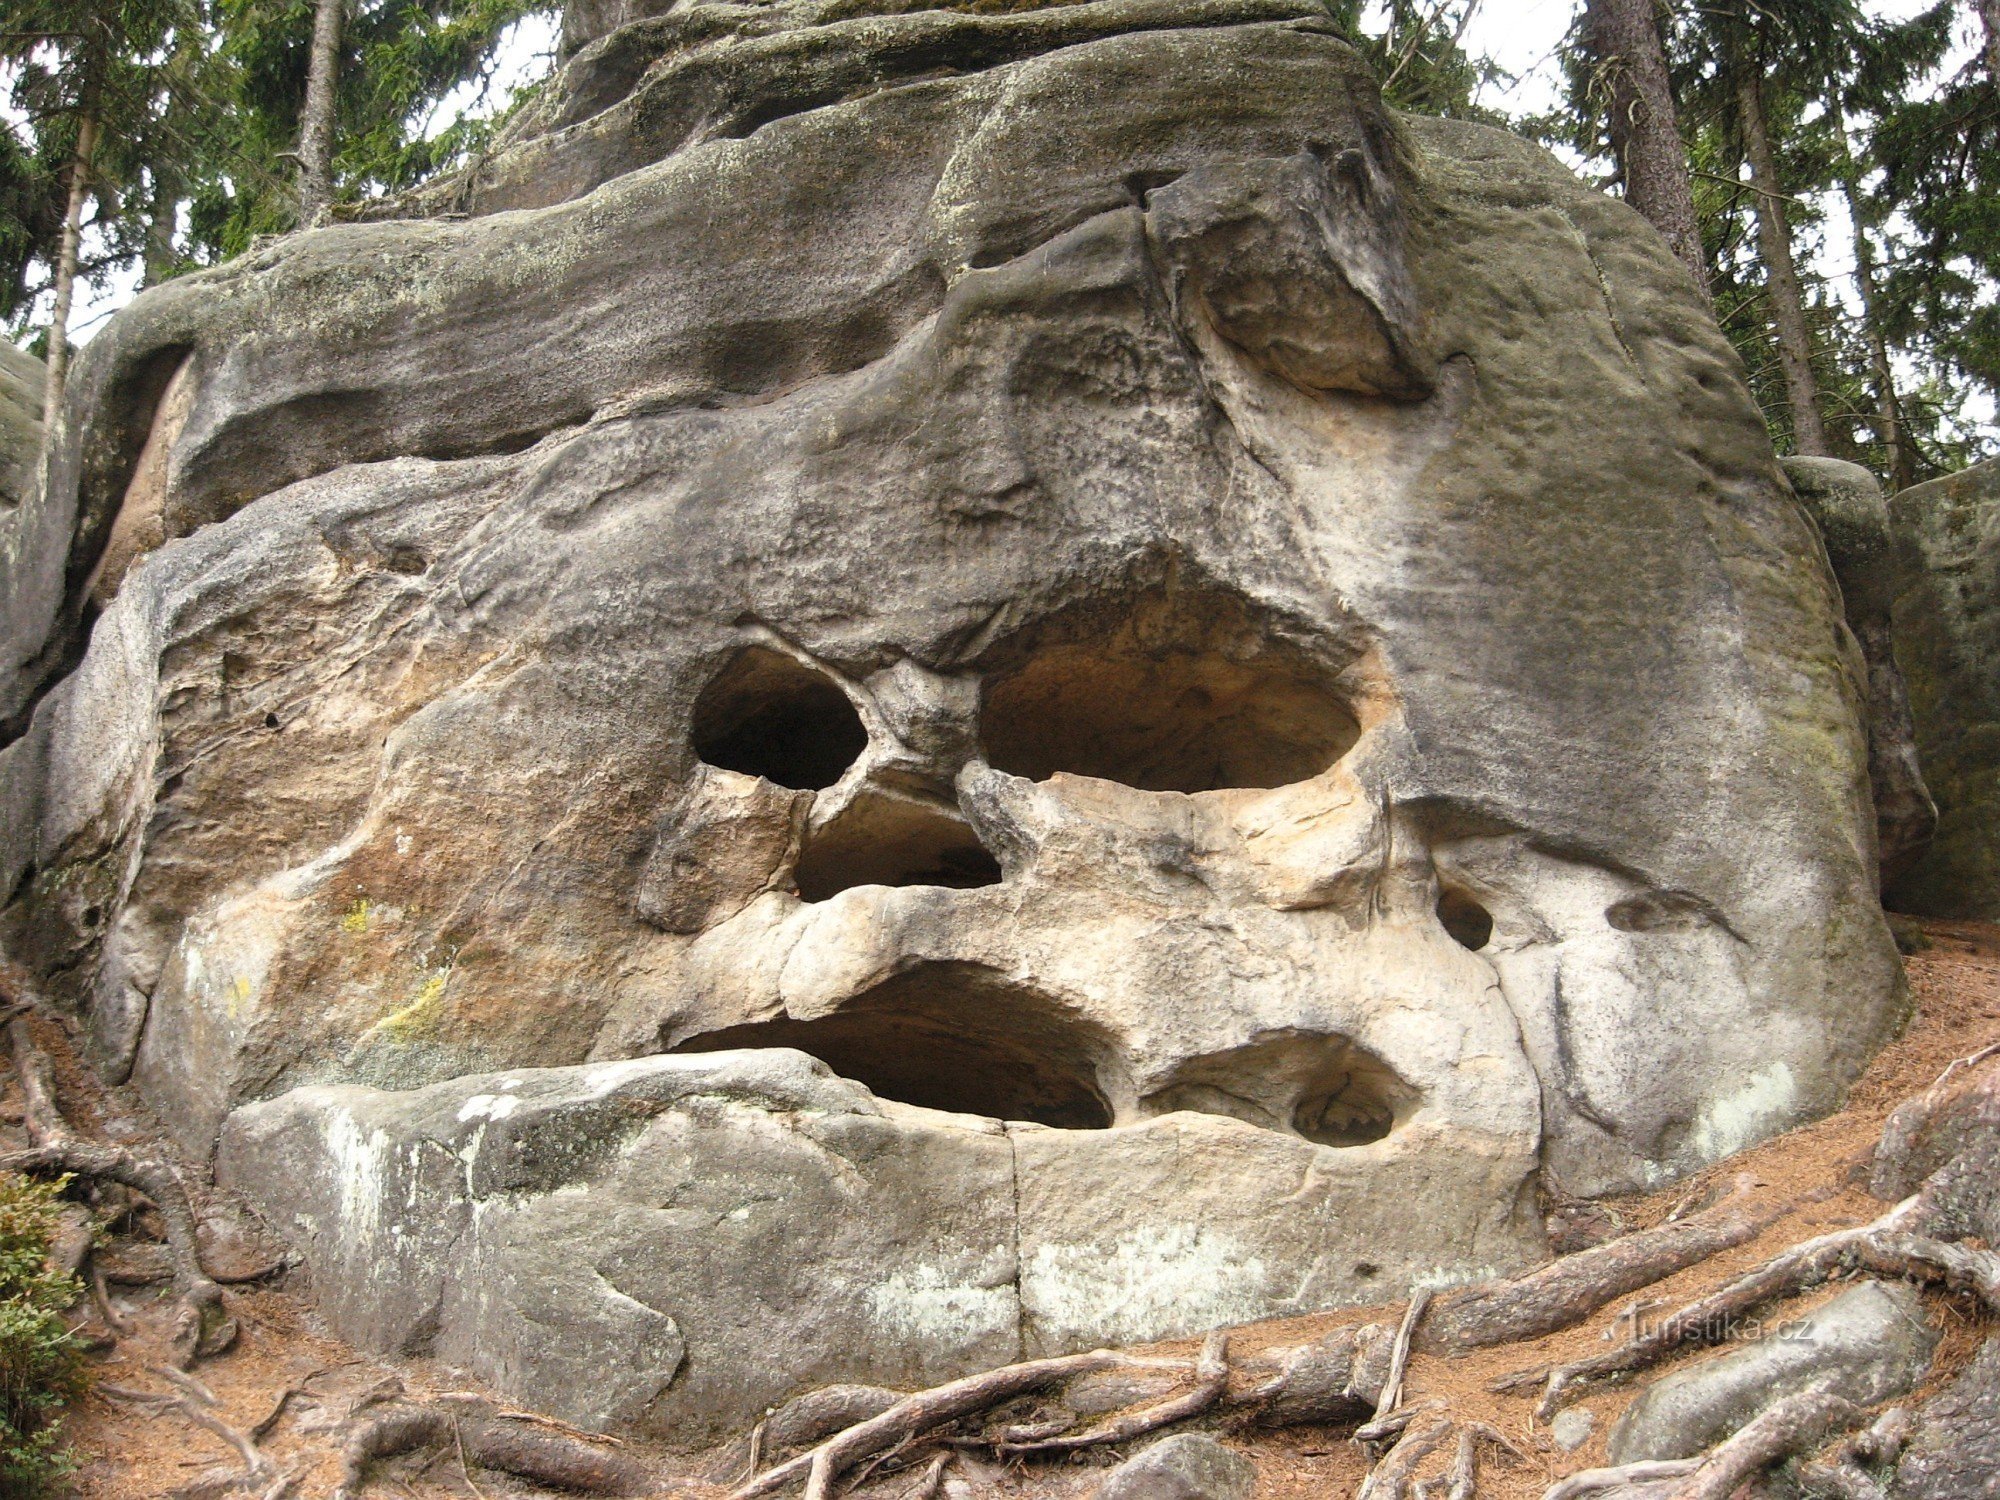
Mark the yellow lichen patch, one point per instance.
(355, 918)
(417, 1017)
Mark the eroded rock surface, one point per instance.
(1947, 614)
(1853, 520)
(1071, 566)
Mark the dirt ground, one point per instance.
(131, 1450)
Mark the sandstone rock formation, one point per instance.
(22, 378)
(1853, 521)
(1947, 614)
(1236, 667)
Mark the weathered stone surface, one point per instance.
(21, 379)
(1069, 564)
(1947, 616)
(1955, 1452)
(25, 547)
(1853, 520)
(1186, 1466)
(1572, 1428)
(677, 1243)
(1946, 1141)
(1869, 1344)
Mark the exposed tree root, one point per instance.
(491, 1439)
(1625, 1477)
(198, 1404)
(1424, 1435)
(1789, 1426)
(1570, 1289)
(1399, 1353)
(1211, 1373)
(204, 1326)
(935, 1407)
(1463, 1480)
(1887, 1246)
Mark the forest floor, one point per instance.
(146, 1450)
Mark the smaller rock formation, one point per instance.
(1853, 520)
(1867, 1345)
(1947, 624)
(1946, 1141)
(1184, 1467)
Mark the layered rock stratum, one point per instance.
(922, 686)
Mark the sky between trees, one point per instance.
(1828, 169)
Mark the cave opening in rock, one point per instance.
(765, 714)
(881, 838)
(954, 1037)
(1469, 923)
(1316, 1085)
(1167, 692)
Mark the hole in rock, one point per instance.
(1173, 692)
(883, 839)
(954, 1037)
(767, 715)
(1469, 923)
(1310, 1084)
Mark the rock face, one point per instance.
(1947, 614)
(22, 377)
(1069, 565)
(23, 547)
(1853, 521)
(1868, 1345)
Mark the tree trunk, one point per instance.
(1781, 277)
(1989, 12)
(316, 115)
(1624, 37)
(1888, 409)
(67, 254)
(163, 219)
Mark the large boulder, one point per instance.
(1853, 520)
(1214, 641)
(1947, 614)
(678, 1243)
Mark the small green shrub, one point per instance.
(41, 1364)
